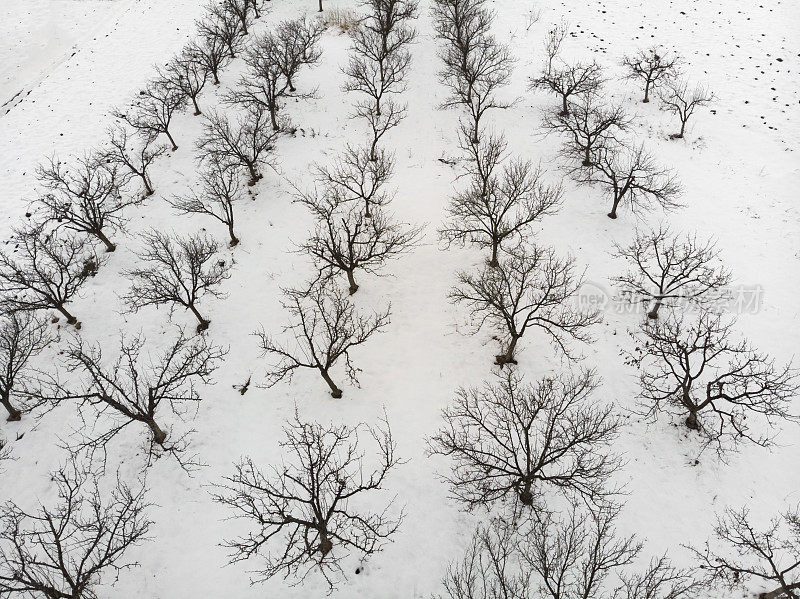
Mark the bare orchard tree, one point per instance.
(567, 81)
(652, 67)
(247, 143)
(325, 327)
(666, 268)
(222, 26)
(299, 39)
(512, 438)
(391, 115)
(22, 337)
(187, 74)
(69, 548)
(633, 178)
(273, 60)
(219, 193)
(531, 288)
(355, 176)
(136, 156)
(177, 271)
(502, 207)
(85, 196)
(138, 389)
(768, 556)
(373, 69)
(153, 112)
(307, 509)
(241, 10)
(210, 52)
(588, 126)
(677, 98)
(580, 554)
(345, 240)
(475, 64)
(724, 389)
(48, 272)
(489, 568)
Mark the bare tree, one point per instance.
(67, 549)
(177, 271)
(22, 337)
(136, 157)
(489, 568)
(306, 509)
(497, 207)
(512, 438)
(220, 192)
(770, 556)
(476, 66)
(248, 143)
(345, 240)
(326, 327)
(273, 60)
(136, 389)
(588, 126)
(380, 57)
(530, 288)
(241, 10)
(188, 76)
(633, 177)
(49, 272)
(85, 196)
(355, 176)
(391, 115)
(652, 67)
(577, 554)
(210, 52)
(224, 26)
(568, 80)
(152, 114)
(299, 39)
(677, 98)
(693, 367)
(666, 268)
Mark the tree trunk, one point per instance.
(653, 313)
(564, 107)
(70, 318)
(203, 322)
(215, 72)
(254, 176)
(335, 391)
(159, 436)
(110, 247)
(351, 279)
(273, 118)
(367, 212)
(320, 6)
(646, 92)
(525, 495)
(196, 107)
(587, 159)
(494, 262)
(508, 357)
(13, 413)
(683, 128)
(172, 141)
(613, 213)
(148, 187)
(692, 422)
(325, 544)
(291, 85)
(234, 239)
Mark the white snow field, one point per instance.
(64, 64)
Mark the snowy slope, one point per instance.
(739, 167)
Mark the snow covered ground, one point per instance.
(65, 64)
